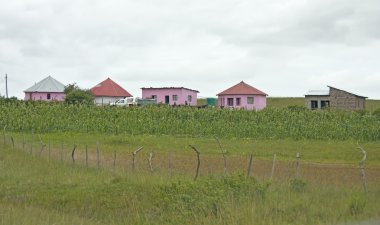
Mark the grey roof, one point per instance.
(49, 84)
(318, 92)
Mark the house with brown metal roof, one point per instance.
(108, 91)
(242, 96)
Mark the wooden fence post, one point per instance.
(134, 157)
(13, 143)
(249, 165)
(362, 168)
(199, 161)
(273, 166)
(86, 156)
(150, 162)
(298, 157)
(223, 154)
(97, 155)
(73, 152)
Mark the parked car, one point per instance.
(130, 101)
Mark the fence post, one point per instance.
(86, 157)
(134, 157)
(298, 157)
(97, 155)
(362, 168)
(150, 162)
(273, 166)
(73, 152)
(223, 154)
(249, 165)
(199, 161)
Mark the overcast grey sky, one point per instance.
(282, 47)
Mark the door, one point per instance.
(167, 99)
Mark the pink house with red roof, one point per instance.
(242, 96)
(108, 91)
(171, 95)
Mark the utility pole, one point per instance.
(6, 85)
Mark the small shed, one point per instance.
(171, 95)
(48, 89)
(242, 96)
(334, 98)
(108, 91)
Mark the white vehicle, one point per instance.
(129, 101)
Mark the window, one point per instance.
(250, 100)
(238, 101)
(48, 96)
(314, 104)
(154, 96)
(325, 104)
(175, 97)
(189, 98)
(230, 101)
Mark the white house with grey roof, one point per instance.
(48, 89)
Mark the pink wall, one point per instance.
(36, 96)
(259, 101)
(182, 95)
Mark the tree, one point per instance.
(76, 95)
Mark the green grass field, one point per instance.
(46, 187)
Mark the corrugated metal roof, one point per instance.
(318, 92)
(160, 88)
(109, 88)
(49, 84)
(242, 89)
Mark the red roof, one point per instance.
(242, 89)
(110, 89)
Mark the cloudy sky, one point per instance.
(282, 47)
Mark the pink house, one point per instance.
(48, 89)
(242, 96)
(171, 95)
